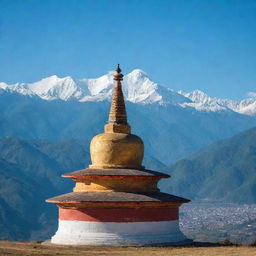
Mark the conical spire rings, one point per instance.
(117, 116)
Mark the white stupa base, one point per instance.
(119, 234)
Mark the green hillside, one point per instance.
(225, 170)
(169, 132)
(30, 173)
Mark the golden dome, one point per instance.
(116, 150)
(117, 147)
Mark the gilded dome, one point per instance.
(116, 150)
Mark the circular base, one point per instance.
(119, 234)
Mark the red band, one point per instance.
(120, 215)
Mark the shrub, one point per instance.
(253, 243)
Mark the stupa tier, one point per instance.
(116, 201)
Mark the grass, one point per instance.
(30, 248)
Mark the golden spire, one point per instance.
(117, 122)
(117, 112)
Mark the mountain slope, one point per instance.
(30, 173)
(172, 125)
(169, 132)
(225, 170)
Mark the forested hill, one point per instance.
(225, 170)
(30, 172)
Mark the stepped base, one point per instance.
(119, 234)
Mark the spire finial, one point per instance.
(118, 76)
(117, 115)
(118, 69)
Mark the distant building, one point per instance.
(116, 201)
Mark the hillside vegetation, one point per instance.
(169, 132)
(225, 170)
(30, 173)
(31, 169)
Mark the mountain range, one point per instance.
(138, 88)
(172, 124)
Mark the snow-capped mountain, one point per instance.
(137, 87)
(201, 101)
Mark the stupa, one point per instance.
(115, 200)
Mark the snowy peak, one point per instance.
(247, 106)
(49, 88)
(201, 101)
(3, 85)
(196, 96)
(99, 85)
(137, 88)
(53, 87)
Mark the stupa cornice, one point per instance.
(125, 205)
(111, 172)
(117, 197)
(115, 180)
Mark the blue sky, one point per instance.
(184, 44)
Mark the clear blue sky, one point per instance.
(184, 44)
